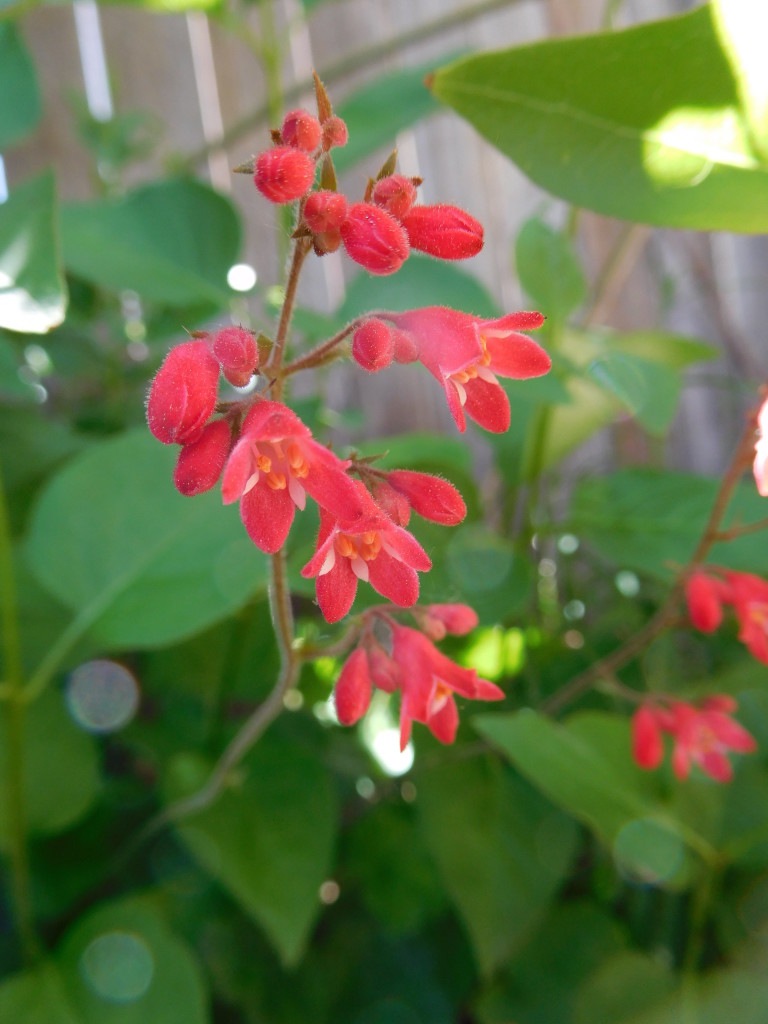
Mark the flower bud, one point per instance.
(324, 211)
(429, 496)
(374, 239)
(352, 693)
(372, 345)
(405, 349)
(396, 194)
(334, 133)
(647, 744)
(183, 393)
(444, 231)
(284, 174)
(235, 348)
(438, 619)
(385, 672)
(392, 502)
(326, 241)
(301, 130)
(704, 598)
(200, 463)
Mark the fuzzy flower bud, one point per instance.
(324, 211)
(284, 174)
(396, 194)
(647, 744)
(704, 595)
(444, 231)
(352, 693)
(301, 130)
(183, 393)
(200, 463)
(235, 348)
(438, 619)
(389, 500)
(334, 133)
(372, 345)
(374, 239)
(429, 496)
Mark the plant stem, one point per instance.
(14, 716)
(348, 65)
(669, 612)
(275, 364)
(318, 355)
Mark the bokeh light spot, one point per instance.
(102, 696)
(117, 966)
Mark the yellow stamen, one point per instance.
(277, 481)
(345, 546)
(297, 462)
(264, 463)
(370, 546)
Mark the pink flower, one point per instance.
(465, 354)
(373, 345)
(374, 239)
(183, 394)
(235, 348)
(760, 465)
(428, 682)
(325, 211)
(446, 232)
(301, 130)
(702, 736)
(372, 549)
(429, 496)
(273, 467)
(435, 620)
(749, 597)
(396, 194)
(704, 595)
(352, 693)
(284, 174)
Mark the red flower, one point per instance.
(373, 345)
(373, 549)
(429, 496)
(704, 595)
(335, 133)
(352, 693)
(374, 239)
(272, 468)
(235, 348)
(749, 596)
(760, 465)
(702, 736)
(284, 174)
(396, 194)
(325, 211)
(200, 463)
(183, 394)
(465, 353)
(428, 681)
(446, 232)
(435, 620)
(301, 130)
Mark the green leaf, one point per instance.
(644, 124)
(586, 768)
(268, 839)
(138, 563)
(33, 296)
(500, 849)
(650, 520)
(726, 995)
(420, 282)
(61, 769)
(489, 571)
(21, 107)
(376, 112)
(37, 995)
(548, 269)
(622, 985)
(171, 241)
(121, 964)
(740, 28)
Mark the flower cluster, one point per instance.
(709, 590)
(394, 657)
(269, 462)
(702, 736)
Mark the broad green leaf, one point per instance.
(12, 386)
(268, 839)
(623, 984)
(420, 282)
(376, 112)
(645, 124)
(61, 768)
(725, 995)
(549, 272)
(740, 25)
(37, 995)
(33, 296)
(489, 572)
(21, 107)
(586, 767)
(139, 564)
(500, 849)
(171, 241)
(651, 520)
(121, 964)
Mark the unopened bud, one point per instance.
(200, 463)
(444, 231)
(372, 345)
(396, 194)
(429, 496)
(405, 348)
(284, 174)
(236, 350)
(301, 130)
(392, 502)
(438, 619)
(352, 693)
(334, 133)
(324, 211)
(183, 393)
(374, 239)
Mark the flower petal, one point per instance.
(267, 516)
(336, 590)
(393, 579)
(487, 404)
(517, 356)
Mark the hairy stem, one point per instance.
(275, 364)
(320, 353)
(14, 712)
